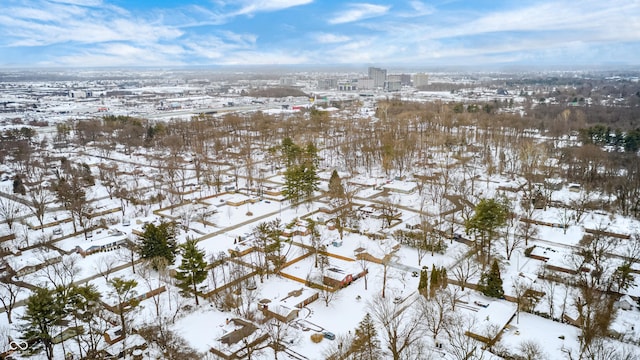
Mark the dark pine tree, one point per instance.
(491, 283)
(423, 284)
(433, 280)
(44, 309)
(158, 242)
(336, 190)
(366, 345)
(193, 269)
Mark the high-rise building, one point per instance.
(405, 79)
(365, 84)
(327, 84)
(420, 80)
(393, 83)
(347, 85)
(287, 81)
(378, 75)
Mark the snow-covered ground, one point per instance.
(223, 223)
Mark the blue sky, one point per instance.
(92, 33)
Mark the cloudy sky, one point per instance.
(90, 33)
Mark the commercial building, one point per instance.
(378, 75)
(420, 80)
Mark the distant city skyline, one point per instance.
(410, 34)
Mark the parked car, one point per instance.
(329, 335)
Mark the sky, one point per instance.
(148, 33)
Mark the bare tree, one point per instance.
(8, 296)
(520, 287)
(460, 345)
(511, 238)
(581, 204)
(532, 350)
(595, 314)
(247, 300)
(39, 197)
(172, 346)
(437, 312)
(401, 325)
(9, 211)
(96, 325)
(387, 258)
(526, 228)
(362, 261)
(277, 332)
(465, 269)
(108, 177)
(340, 348)
(549, 291)
(566, 217)
(389, 211)
(5, 337)
(147, 273)
(62, 273)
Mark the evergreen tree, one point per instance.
(444, 280)
(82, 299)
(301, 178)
(433, 280)
(193, 268)
(290, 151)
(490, 214)
(366, 345)
(126, 295)
(44, 310)
(423, 284)
(18, 186)
(491, 283)
(158, 241)
(300, 181)
(336, 190)
(311, 154)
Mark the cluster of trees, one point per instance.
(78, 310)
(64, 306)
(602, 135)
(301, 178)
(428, 285)
(270, 255)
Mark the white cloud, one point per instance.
(93, 33)
(418, 8)
(225, 11)
(253, 6)
(597, 17)
(327, 38)
(356, 12)
(79, 2)
(216, 48)
(264, 58)
(119, 54)
(558, 30)
(30, 27)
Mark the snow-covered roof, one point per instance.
(401, 186)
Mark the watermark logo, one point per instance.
(18, 345)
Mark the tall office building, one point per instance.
(420, 80)
(378, 75)
(394, 83)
